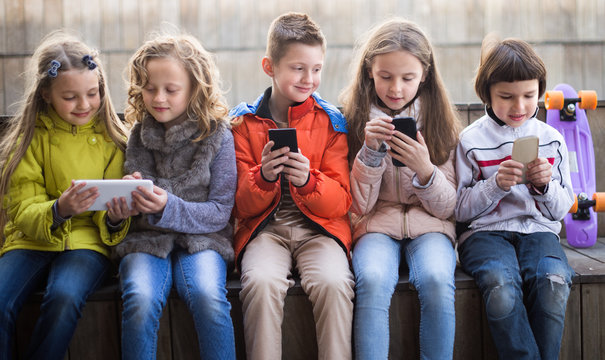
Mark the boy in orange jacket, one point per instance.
(291, 207)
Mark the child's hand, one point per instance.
(414, 154)
(510, 172)
(149, 202)
(297, 171)
(272, 162)
(378, 130)
(539, 173)
(74, 201)
(134, 176)
(117, 210)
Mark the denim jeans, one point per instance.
(525, 281)
(199, 279)
(432, 261)
(71, 276)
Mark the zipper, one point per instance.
(74, 129)
(405, 229)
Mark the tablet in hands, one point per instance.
(111, 188)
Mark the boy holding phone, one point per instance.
(299, 218)
(509, 238)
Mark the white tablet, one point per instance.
(110, 188)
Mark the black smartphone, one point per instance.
(407, 126)
(284, 137)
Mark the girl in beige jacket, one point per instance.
(401, 209)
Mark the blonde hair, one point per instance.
(69, 51)
(439, 118)
(291, 28)
(206, 105)
(507, 60)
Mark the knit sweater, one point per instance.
(200, 178)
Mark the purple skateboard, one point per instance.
(571, 121)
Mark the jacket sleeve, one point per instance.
(439, 197)
(365, 182)
(29, 207)
(555, 203)
(254, 195)
(114, 170)
(475, 198)
(327, 193)
(211, 215)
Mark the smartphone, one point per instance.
(284, 137)
(525, 150)
(407, 126)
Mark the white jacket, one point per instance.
(483, 146)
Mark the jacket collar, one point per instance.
(492, 115)
(260, 108)
(52, 121)
(155, 137)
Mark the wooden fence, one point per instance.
(568, 34)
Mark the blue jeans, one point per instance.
(70, 277)
(432, 261)
(199, 279)
(525, 281)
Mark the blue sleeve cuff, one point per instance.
(57, 219)
(372, 158)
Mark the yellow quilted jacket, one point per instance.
(58, 153)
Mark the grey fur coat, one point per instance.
(200, 178)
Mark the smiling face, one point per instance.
(297, 74)
(514, 102)
(74, 94)
(167, 92)
(397, 76)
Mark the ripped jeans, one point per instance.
(525, 282)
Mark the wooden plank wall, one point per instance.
(567, 34)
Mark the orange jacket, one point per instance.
(326, 197)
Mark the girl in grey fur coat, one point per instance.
(182, 142)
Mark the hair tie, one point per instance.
(87, 59)
(54, 66)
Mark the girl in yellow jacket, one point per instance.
(66, 129)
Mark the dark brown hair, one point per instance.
(507, 60)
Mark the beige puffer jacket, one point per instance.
(387, 200)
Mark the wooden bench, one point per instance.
(98, 332)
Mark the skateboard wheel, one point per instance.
(574, 207)
(588, 99)
(553, 100)
(599, 198)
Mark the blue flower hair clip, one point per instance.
(54, 66)
(87, 59)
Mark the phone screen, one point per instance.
(284, 137)
(525, 150)
(407, 126)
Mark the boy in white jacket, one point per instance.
(509, 240)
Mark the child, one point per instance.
(407, 209)
(66, 129)
(181, 141)
(511, 247)
(291, 207)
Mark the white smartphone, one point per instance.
(110, 188)
(525, 150)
